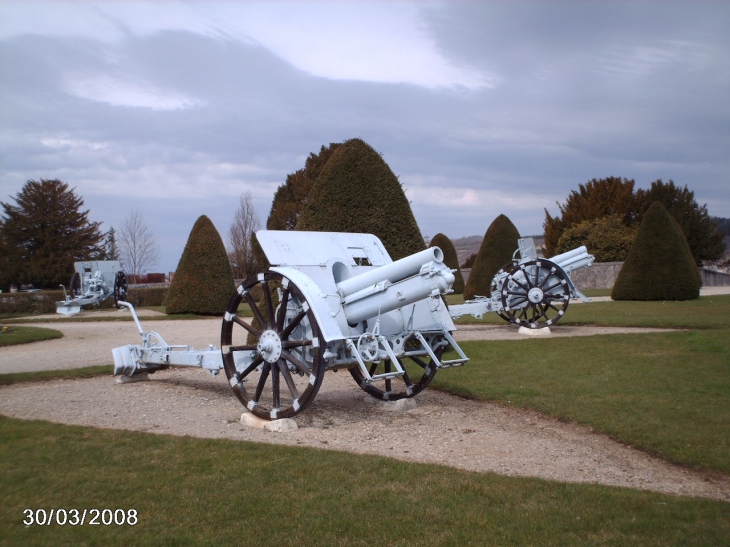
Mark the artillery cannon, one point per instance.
(92, 282)
(530, 291)
(335, 301)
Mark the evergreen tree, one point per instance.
(44, 234)
(357, 192)
(660, 264)
(450, 259)
(606, 238)
(595, 199)
(109, 249)
(290, 197)
(203, 282)
(497, 249)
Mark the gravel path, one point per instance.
(442, 429)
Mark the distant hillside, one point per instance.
(466, 246)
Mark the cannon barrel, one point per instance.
(395, 285)
(573, 259)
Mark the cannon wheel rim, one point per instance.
(551, 282)
(273, 380)
(74, 286)
(493, 287)
(398, 388)
(120, 288)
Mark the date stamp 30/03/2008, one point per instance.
(80, 517)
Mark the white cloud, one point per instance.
(120, 92)
(373, 41)
(367, 41)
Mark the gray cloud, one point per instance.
(177, 123)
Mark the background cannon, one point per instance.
(530, 291)
(92, 282)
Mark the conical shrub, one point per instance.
(450, 259)
(357, 192)
(498, 246)
(203, 282)
(659, 265)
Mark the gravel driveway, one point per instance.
(443, 429)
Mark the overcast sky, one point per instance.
(480, 108)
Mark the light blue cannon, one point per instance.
(332, 301)
(531, 291)
(337, 301)
(92, 282)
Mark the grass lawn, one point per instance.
(189, 491)
(667, 393)
(25, 335)
(44, 375)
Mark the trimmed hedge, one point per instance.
(203, 282)
(498, 246)
(660, 264)
(44, 302)
(450, 259)
(358, 193)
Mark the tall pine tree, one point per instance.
(44, 233)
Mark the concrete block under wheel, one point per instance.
(280, 426)
(401, 405)
(139, 377)
(545, 331)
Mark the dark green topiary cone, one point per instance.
(659, 265)
(203, 282)
(498, 246)
(358, 193)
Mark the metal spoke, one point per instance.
(255, 309)
(291, 326)
(242, 348)
(275, 386)
(269, 304)
(238, 321)
(291, 344)
(262, 381)
(288, 379)
(296, 362)
(250, 368)
(418, 361)
(527, 278)
(282, 309)
(386, 367)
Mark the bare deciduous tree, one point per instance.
(240, 238)
(138, 248)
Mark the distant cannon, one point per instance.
(531, 291)
(92, 282)
(335, 301)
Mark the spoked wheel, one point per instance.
(275, 364)
(120, 288)
(496, 285)
(74, 286)
(535, 294)
(419, 371)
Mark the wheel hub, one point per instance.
(269, 346)
(535, 295)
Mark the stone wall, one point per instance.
(713, 278)
(599, 276)
(602, 275)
